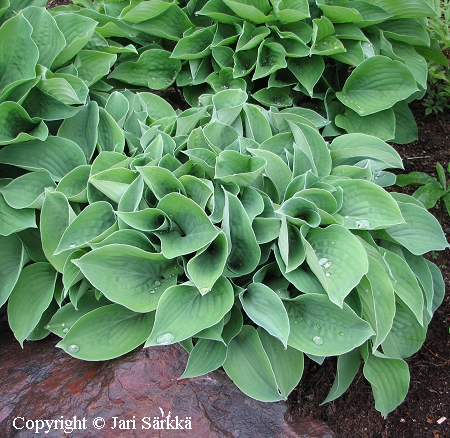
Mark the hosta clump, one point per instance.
(282, 53)
(231, 229)
(234, 230)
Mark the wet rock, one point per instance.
(308, 428)
(138, 395)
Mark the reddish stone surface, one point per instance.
(42, 382)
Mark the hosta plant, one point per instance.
(281, 52)
(233, 229)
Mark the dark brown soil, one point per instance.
(353, 415)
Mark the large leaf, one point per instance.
(248, 366)
(244, 251)
(321, 328)
(27, 191)
(154, 69)
(377, 300)
(56, 215)
(231, 166)
(195, 228)
(367, 206)
(107, 332)
(380, 124)
(128, 275)
(352, 148)
(19, 52)
(57, 155)
(17, 126)
(46, 34)
(406, 8)
(77, 31)
(255, 11)
(195, 45)
(113, 182)
(406, 336)
(206, 356)
(390, 381)
(170, 24)
(30, 297)
(421, 232)
(405, 283)
(12, 258)
(205, 268)
(161, 181)
(13, 220)
(347, 367)
(82, 128)
(337, 259)
(74, 184)
(286, 362)
(377, 84)
(91, 223)
(92, 65)
(264, 307)
(183, 311)
(67, 315)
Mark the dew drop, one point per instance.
(318, 326)
(72, 245)
(63, 324)
(341, 333)
(65, 330)
(153, 79)
(328, 274)
(324, 262)
(225, 87)
(157, 283)
(47, 327)
(204, 289)
(318, 340)
(152, 291)
(73, 348)
(363, 223)
(333, 243)
(165, 338)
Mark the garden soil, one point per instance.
(425, 413)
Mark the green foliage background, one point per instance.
(232, 227)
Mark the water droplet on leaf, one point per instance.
(324, 262)
(318, 340)
(73, 348)
(165, 338)
(157, 283)
(72, 245)
(341, 333)
(328, 274)
(363, 223)
(65, 330)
